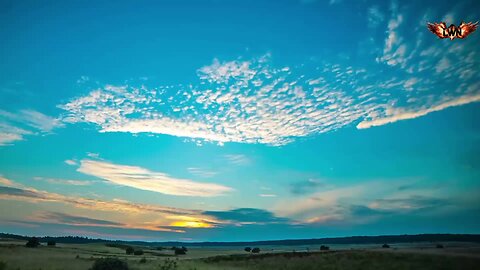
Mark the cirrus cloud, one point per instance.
(144, 179)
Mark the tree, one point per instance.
(386, 246)
(256, 250)
(51, 243)
(180, 251)
(33, 242)
(109, 264)
(138, 252)
(440, 246)
(129, 250)
(248, 249)
(325, 248)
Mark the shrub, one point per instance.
(248, 249)
(386, 246)
(138, 252)
(32, 242)
(109, 264)
(256, 250)
(77, 257)
(440, 246)
(322, 247)
(180, 251)
(168, 265)
(3, 265)
(143, 260)
(129, 250)
(51, 243)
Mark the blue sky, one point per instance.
(237, 120)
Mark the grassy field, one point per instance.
(81, 256)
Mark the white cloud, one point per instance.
(70, 162)
(375, 16)
(144, 179)
(201, 172)
(238, 159)
(64, 181)
(254, 102)
(267, 195)
(14, 126)
(397, 114)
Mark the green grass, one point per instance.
(18, 257)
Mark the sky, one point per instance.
(237, 120)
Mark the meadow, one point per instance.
(16, 256)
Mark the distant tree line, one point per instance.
(341, 240)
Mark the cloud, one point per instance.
(14, 126)
(265, 195)
(243, 216)
(305, 187)
(137, 215)
(238, 159)
(122, 206)
(407, 204)
(393, 51)
(375, 16)
(65, 181)
(71, 162)
(201, 172)
(144, 179)
(398, 114)
(56, 217)
(6, 182)
(253, 101)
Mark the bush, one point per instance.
(248, 249)
(33, 242)
(129, 250)
(109, 264)
(3, 265)
(440, 246)
(168, 265)
(325, 248)
(143, 260)
(256, 250)
(51, 243)
(138, 252)
(180, 251)
(386, 246)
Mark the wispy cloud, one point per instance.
(141, 178)
(398, 114)
(56, 217)
(241, 216)
(238, 159)
(70, 162)
(6, 182)
(375, 16)
(14, 126)
(201, 172)
(306, 187)
(267, 195)
(64, 181)
(137, 215)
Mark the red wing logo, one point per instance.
(452, 31)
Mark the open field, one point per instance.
(402, 256)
